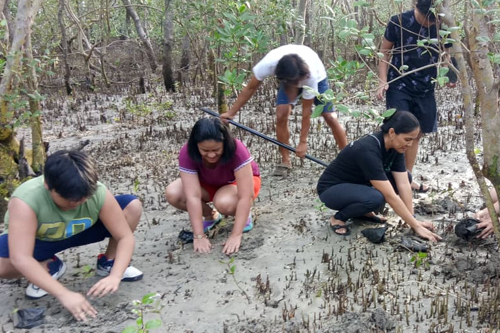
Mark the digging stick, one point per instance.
(263, 136)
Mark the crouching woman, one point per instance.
(371, 171)
(215, 167)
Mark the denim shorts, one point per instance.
(282, 97)
(422, 107)
(45, 250)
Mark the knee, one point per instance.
(331, 119)
(172, 195)
(225, 206)
(282, 114)
(6, 268)
(375, 201)
(133, 213)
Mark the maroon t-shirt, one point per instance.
(222, 174)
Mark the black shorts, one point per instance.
(422, 107)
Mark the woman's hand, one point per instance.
(423, 231)
(428, 225)
(232, 244)
(77, 305)
(105, 286)
(202, 245)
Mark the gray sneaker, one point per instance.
(104, 266)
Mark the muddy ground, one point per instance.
(292, 273)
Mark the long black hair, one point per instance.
(401, 121)
(211, 129)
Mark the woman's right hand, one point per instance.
(77, 305)
(382, 88)
(423, 231)
(202, 245)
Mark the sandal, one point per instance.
(282, 170)
(337, 227)
(209, 224)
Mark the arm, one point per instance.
(385, 187)
(306, 124)
(114, 220)
(22, 230)
(383, 66)
(244, 179)
(192, 191)
(404, 189)
(243, 97)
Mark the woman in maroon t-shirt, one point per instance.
(215, 167)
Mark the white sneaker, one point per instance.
(104, 266)
(57, 268)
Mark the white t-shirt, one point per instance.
(267, 65)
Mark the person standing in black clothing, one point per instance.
(371, 171)
(408, 69)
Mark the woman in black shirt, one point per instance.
(371, 171)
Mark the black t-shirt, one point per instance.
(360, 162)
(405, 32)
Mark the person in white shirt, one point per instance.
(295, 66)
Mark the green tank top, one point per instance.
(55, 224)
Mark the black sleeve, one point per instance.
(399, 164)
(370, 162)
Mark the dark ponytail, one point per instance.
(401, 121)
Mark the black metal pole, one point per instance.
(265, 137)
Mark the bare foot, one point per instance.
(420, 188)
(374, 216)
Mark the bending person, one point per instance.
(215, 167)
(295, 66)
(371, 171)
(67, 207)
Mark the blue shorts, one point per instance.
(422, 107)
(282, 97)
(45, 250)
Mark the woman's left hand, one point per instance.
(232, 244)
(428, 225)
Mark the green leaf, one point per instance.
(495, 58)
(355, 113)
(422, 255)
(232, 269)
(152, 324)
(231, 260)
(318, 109)
(344, 34)
(328, 95)
(443, 33)
(477, 151)
(365, 52)
(148, 298)
(130, 329)
(139, 321)
(443, 71)
(483, 39)
(388, 113)
(342, 108)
